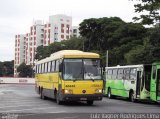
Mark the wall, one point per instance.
(12, 80)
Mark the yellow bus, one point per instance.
(70, 75)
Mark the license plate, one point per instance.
(83, 98)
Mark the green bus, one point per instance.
(131, 81)
(155, 83)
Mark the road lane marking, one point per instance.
(24, 103)
(19, 101)
(74, 117)
(41, 113)
(25, 106)
(26, 109)
(56, 112)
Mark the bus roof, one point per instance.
(126, 66)
(156, 63)
(69, 54)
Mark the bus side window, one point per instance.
(49, 66)
(114, 76)
(57, 66)
(154, 72)
(53, 66)
(106, 73)
(40, 68)
(109, 74)
(46, 67)
(120, 74)
(133, 74)
(42, 71)
(126, 73)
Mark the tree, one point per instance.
(25, 70)
(98, 31)
(141, 54)
(150, 9)
(72, 44)
(155, 42)
(42, 52)
(7, 68)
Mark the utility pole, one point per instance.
(107, 58)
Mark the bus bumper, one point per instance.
(86, 97)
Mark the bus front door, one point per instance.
(158, 84)
(138, 84)
(154, 83)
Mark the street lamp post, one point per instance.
(107, 58)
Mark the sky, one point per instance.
(16, 16)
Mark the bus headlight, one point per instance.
(98, 91)
(66, 91)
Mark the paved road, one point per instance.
(22, 99)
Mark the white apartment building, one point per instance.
(75, 31)
(61, 27)
(19, 51)
(58, 28)
(33, 40)
(47, 34)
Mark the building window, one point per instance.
(49, 25)
(74, 30)
(62, 30)
(62, 25)
(67, 31)
(67, 25)
(67, 37)
(62, 36)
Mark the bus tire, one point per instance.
(42, 94)
(57, 99)
(131, 96)
(109, 94)
(90, 102)
(39, 90)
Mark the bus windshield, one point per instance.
(80, 69)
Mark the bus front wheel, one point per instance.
(131, 97)
(42, 94)
(90, 102)
(58, 100)
(109, 93)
